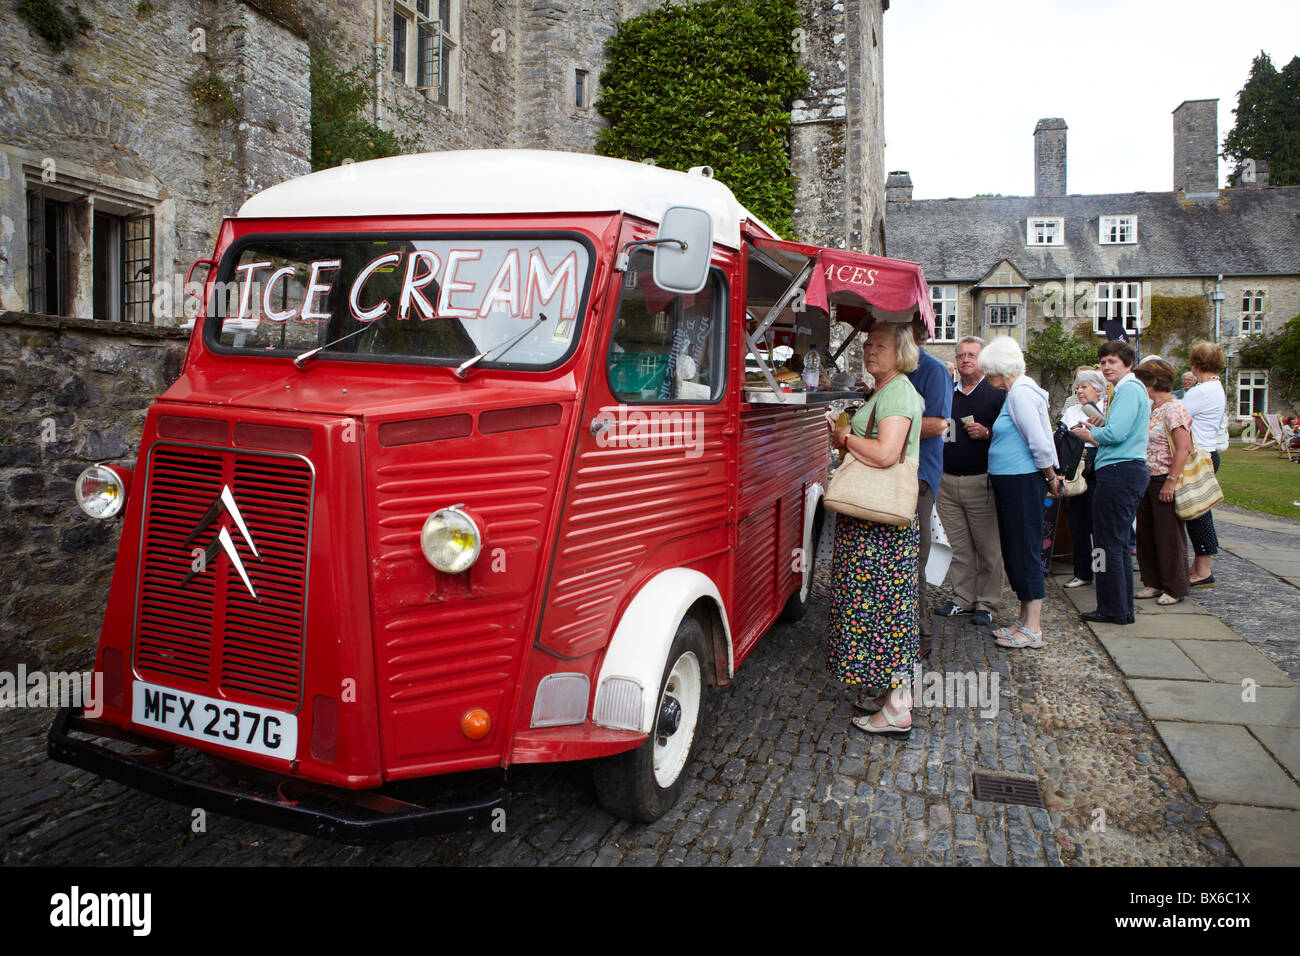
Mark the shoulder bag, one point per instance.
(883, 495)
(1077, 484)
(1198, 489)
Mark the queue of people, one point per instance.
(999, 461)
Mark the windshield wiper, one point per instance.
(310, 354)
(466, 365)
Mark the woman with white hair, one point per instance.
(1089, 388)
(1022, 457)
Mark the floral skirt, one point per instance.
(873, 623)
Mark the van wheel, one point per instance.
(643, 784)
(796, 606)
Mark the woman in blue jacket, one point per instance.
(1121, 479)
(1022, 468)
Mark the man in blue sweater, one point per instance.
(1121, 479)
(934, 384)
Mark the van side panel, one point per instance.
(783, 449)
(639, 500)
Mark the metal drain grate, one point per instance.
(1008, 790)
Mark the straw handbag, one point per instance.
(1198, 489)
(1076, 484)
(883, 495)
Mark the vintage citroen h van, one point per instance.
(463, 471)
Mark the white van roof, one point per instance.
(501, 181)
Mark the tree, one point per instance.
(1268, 121)
(1055, 354)
(1280, 354)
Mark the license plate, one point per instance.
(239, 726)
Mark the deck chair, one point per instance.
(1263, 434)
(1276, 433)
(1277, 437)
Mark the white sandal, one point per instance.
(1026, 637)
(892, 727)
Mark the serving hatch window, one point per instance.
(442, 299)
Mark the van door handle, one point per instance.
(598, 425)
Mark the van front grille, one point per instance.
(197, 623)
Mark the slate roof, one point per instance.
(1245, 232)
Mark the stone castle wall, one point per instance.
(112, 118)
(74, 392)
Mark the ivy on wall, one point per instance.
(340, 128)
(1176, 323)
(709, 84)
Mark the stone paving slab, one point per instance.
(1217, 703)
(1230, 661)
(1245, 518)
(1170, 627)
(1226, 764)
(1280, 562)
(1241, 545)
(1085, 599)
(1253, 833)
(1188, 608)
(1284, 742)
(1144, 657)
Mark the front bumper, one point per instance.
(354, 817)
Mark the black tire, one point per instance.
(626, 784)
(796, 606)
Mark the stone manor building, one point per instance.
(1006, 265)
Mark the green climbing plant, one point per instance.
(340, 128)
(1176, 323)
(709, 84)
(52, 23)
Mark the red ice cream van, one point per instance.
(464, 470)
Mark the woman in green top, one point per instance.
(873, 622)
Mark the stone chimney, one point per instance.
(1196, 147)
(898, 187)
(1049, 157)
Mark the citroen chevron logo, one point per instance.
(223, 542)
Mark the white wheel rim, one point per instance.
(671, 752)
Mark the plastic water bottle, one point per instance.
(812, 364)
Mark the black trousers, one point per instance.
(1114, 507)
(1078, 510)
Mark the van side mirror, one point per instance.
(681, 263)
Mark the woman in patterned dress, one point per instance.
(1161, 543)
(873, 622)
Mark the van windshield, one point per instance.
(441, 299)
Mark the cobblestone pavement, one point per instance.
(780, 779)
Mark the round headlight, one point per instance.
(450, 540)
(100, 492)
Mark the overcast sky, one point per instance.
(967, 80)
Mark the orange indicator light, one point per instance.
(476, 724)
